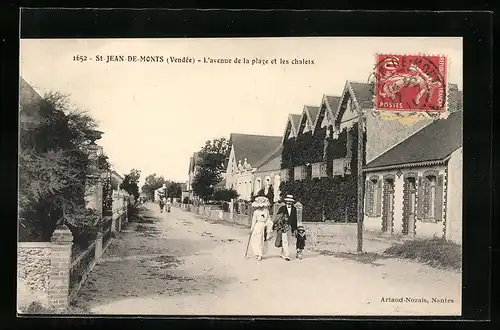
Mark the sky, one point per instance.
(155, 115)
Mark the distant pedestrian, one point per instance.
(162, 204)
(169, 204)
(300, 235)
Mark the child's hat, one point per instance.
(301, 227)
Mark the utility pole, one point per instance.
(361, 183)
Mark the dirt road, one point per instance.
(179, 264)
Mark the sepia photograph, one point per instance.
(314, 176)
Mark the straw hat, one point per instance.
(289, 198)
(261, 202)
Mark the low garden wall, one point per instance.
(33, 268)
(52, 273)
(318, 232)
(329, 232)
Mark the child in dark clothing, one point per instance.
(301, 240)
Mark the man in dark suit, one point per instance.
(288, 231)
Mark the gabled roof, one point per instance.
(253, 147)
(268, 156)
(435, 142)
(313, 113)
(29, 103)
(27, 95)
(330, 105)
(363, 94)
(273, 163)
(294, 121)
(310, 113)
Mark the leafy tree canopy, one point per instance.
(225, 195)
(210, 166)
(54, 166)
(131, 183)
(153, 182)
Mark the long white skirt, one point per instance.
(259, 247)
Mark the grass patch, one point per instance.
(364, 258)
(147, 231)
(37, 308)
(145, 219)
(228, 223)
(435, 252)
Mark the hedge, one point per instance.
(336, 197)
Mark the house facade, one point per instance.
(184, 191)
(246, 153)
(268, 173)
(116, 180)
(319, 164)
(415, 188)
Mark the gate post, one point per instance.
(60, 262)
(299, 207)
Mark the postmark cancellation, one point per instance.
(411, 86)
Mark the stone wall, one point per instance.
(45, 269)
(33, 268)
(325, 232)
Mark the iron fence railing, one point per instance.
(106, 230)
(80, 266)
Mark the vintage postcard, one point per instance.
(314, 176)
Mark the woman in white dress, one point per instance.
(262, 226)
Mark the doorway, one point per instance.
(388, 212)
(410, 197)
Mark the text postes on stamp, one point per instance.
(414, 83)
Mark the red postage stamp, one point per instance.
(416, 83)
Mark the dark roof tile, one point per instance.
(253, 147)
(271, 164)
(434, 142)
(313, 113)
(295, 121)
(363, 93)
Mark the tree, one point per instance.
(225, 195)
(131, 183)
(174, 190)
(151, 183)
(54, 166)
(211, 164)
